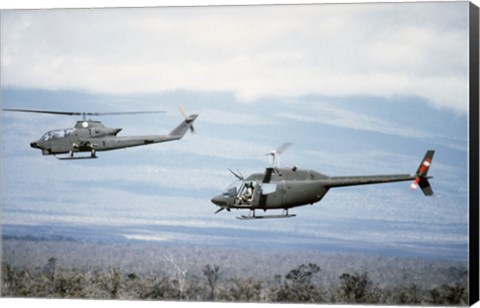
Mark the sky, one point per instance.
(358, 89)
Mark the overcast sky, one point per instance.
(358, 89)
(384, 50)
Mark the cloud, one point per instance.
(327, 113)
(215, 116)
(374, 49)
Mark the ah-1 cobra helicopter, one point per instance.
(93, 136)
(287, 188)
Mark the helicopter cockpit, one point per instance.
(231, 190)
(241, 190)
(244, 190)
(56, 134)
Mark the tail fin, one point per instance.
(181, 129)
(421, 178)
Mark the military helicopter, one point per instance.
(93, 136)
(291, 187)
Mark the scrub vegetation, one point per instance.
(61, 269)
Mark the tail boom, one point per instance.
(420, 178)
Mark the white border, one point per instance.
(46, 4)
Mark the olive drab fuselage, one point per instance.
(288, 188)
(84, 136)
(291, 187)
(92, 136)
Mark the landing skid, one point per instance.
(252, 215)
(243, 217)
(73, 158)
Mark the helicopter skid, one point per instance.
(78, 157)
(243, 217)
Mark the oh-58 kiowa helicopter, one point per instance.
(287, 188)
(93, 136)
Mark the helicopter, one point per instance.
(92, 136)
(293, 187)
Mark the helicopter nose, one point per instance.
(34, 145)
(219, 200)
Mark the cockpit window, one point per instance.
(54, 134)
(46, 136)
(58, 133)
(242, 190)
(232, 189)
(268, 188)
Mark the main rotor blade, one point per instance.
(43, 111)
(74, 113)
(283, 147)
(240, 177)
(122, 112)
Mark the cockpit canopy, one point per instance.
(58, 133)
(240, 186)
(232, 189)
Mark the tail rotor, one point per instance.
(184, 114)
(421, 178)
